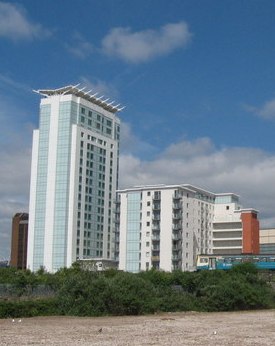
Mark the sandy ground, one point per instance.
(234, 328)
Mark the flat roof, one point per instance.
(186, 187)
(87, 95)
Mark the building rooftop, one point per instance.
(87, 95)
(186, 187)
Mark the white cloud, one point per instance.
(14, 188)
(80, 47)
(142, 46)
(15, 25)
(16, 86)
(131, 144)
(266, 111)
(246, 171)
(15, 157)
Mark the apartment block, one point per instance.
(167, 226)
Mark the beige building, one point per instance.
(267, 241)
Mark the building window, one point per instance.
(227, 207)
(148, 224)
(147, 244)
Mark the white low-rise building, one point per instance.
(167, 226)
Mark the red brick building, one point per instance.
(19, 240)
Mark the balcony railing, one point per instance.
(176, 236)
(177, 216)
(177, 195)
(156, 196)
(156, 206)
(156, 227)
(177, 205)
(177, 227)
(176, 257)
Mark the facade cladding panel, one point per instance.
(267, 241)
(74, 182)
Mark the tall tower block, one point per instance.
(73, 179)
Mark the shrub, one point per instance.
(31, 308)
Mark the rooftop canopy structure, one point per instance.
(87, 95)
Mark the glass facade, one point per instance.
(67, 117)
(133, 232)
(41, 187)
(226, 199)
(95, 121)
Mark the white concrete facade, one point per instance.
(227, 225)
(73, 180)
(176, 223)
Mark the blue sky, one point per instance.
(197, 79)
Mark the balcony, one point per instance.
(156, 206)
(177, 216)
(177, 236)
(156, 227)
(177, 227)
(177, 195)
(155, 258)
(176, 257)
(177, 205)
(155, 237)
(156, 196)
(156, 217)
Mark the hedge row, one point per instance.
(83, 293)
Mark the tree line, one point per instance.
(77, 292)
